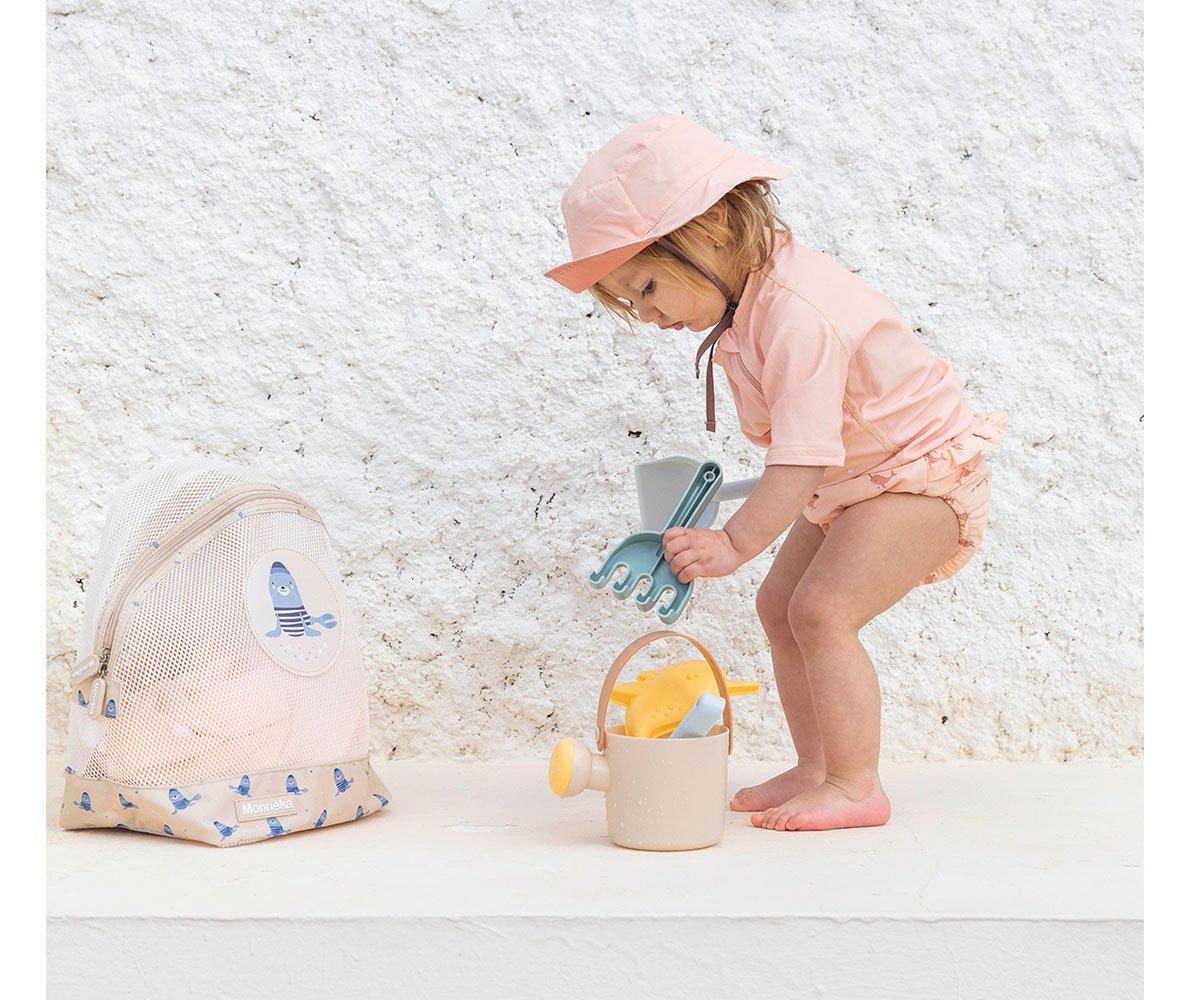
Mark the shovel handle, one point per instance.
(627, 654)
(697, 496)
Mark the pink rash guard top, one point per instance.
(824, 372)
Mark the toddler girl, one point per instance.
(874, 460)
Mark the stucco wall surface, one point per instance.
(309, 235)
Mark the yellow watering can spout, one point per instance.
(573, 767)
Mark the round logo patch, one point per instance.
(293, 611)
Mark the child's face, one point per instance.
(660, 298)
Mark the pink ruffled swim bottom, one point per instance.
(956, 472)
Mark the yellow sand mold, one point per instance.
(657, 701)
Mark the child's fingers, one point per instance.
(682, 561)
(674, 544)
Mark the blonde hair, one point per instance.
(749, 227)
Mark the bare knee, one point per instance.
(771, 603)
(816, 616)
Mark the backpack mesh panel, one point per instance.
(199, 697)
(143, 510)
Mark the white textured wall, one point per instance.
(310, 235)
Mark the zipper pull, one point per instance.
(96, 698)
(95, 667)
(85, 668)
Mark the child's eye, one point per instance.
(649, 287)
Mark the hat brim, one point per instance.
(583, 272)
(579, 275)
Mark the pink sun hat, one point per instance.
(641, 185)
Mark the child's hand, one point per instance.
(699, 552)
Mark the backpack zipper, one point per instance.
(207, 517)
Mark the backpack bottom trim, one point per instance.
(228, 812)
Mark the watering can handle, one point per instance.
(628, 653)
(739, 489)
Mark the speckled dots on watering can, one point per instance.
(667, 795)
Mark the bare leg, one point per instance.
(874, 554)
(774, 596)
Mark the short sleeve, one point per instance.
(805, 367)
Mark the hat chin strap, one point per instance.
(709, 343)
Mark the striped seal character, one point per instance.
(291, 616)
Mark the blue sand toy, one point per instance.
(701, 717)
(641, 554)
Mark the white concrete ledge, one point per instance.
(992, 881)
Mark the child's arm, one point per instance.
(776, 502)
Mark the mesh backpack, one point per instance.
(218, 693)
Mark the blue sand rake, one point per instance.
(641, 554)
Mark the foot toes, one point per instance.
(826, 808)
(744, 801)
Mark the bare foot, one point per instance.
(829, 806)
(778, 789)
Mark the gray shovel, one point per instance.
(661, 483)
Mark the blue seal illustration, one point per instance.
(291, 616)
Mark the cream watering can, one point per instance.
(660, 794)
